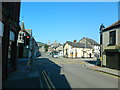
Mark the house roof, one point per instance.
(55, 44)
(78, 45)
(92, 41)
(29, 31)
(113, 25)
(22, 26)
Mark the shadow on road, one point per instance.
(91, 61)
(53, 71)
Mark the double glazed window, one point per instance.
(112, 38)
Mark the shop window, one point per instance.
(1, 29)
(10, 49)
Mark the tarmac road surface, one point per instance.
(67, 73)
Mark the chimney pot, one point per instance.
(75, 40)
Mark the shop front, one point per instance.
(113, 59)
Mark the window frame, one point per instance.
(112, 38)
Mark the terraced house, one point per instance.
(77, 50)
(110, 45)
(95, 46)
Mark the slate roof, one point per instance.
(78, 45)
(29, 31)
(113, 25)
(92, 41)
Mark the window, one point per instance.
(1, 28)
(112, 38)
(20, 38)
(100, 38)
(20, 34)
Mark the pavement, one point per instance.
(91, 63)
(24, 77)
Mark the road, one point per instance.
(67, 73)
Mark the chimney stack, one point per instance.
(75, 41)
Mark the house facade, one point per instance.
(110, 45)
(95, 46)
(53, 47)
(24, 43)
(27, 46)
(59, 49)
(77, 50)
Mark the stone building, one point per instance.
(10, 28)
(110, 45)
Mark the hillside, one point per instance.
(40, 44)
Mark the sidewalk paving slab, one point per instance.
(23, 77)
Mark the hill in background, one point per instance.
(40, 44)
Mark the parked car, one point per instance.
(55, 56)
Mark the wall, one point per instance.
(10, 19)
(1, 34)
(106, 42)
(106, 37)
(118, 36)
(64, 48)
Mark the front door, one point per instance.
(20, 51)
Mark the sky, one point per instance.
(67, 21)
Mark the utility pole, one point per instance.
(85, 46)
